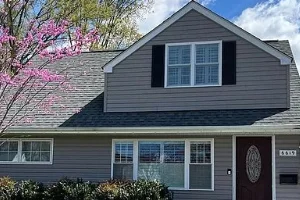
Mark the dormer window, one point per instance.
(193, 64)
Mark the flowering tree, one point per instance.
(31, 39)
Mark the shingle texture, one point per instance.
(90, 94)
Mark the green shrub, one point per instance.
(29, 190)
(67, 189)
(149, 190)
(133, 190)
(7, 186)
(114, 189)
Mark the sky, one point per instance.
(266, 19)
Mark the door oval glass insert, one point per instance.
(253, 164)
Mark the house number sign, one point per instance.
(288, 153)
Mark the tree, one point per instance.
(116, 20)
(33, 33)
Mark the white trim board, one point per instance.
(234, 164)
(284, 59)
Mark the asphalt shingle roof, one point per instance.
(90, 93)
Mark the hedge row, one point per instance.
(67, 189)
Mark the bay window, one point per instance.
(193, 64)
(180, 164)
(26, 151)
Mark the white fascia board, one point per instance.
(159, 131)
(284, 59)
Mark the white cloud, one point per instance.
(274, 19)
(161, 10)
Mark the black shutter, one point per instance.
(158, 66)
(229, 63)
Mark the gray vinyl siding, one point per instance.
(90, 158)
(287, 165)
(261, 81)
(74, 157)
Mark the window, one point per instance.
(180, 164)
(193, 64)
(163, 161)
(179, 65)
(36, 151)
(123, 160)
(25, 151)
(200, 165)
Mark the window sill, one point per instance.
(192, 86)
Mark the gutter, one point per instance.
(153, 131)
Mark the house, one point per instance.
(198, 103)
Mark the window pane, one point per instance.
(207, 74)
(179, 75)
(174, 152)
(163, 161)
(35, 156)
(26, 157)
(123, 152)
(171, 174)
(3, 156)
(179, 54)
(13, 156)
(9, 151)
(200, 176)
(45, 146)
(36, 146)
(45, 156)
(13, 146)
(149, 152)
(123, 171)
(207, 53)
(26, 146)
(200, 152)
(4, 146)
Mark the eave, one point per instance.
(160, 131)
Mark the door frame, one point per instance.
(234, 163)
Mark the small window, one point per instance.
(193, 64)
(123, 161)
(200, 165)
(26, 151)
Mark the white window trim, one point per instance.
(186, 161)
(192, 63)
(19, 140)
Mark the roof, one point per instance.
(90, 94)
(284, 58)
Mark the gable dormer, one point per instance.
(197, 60)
